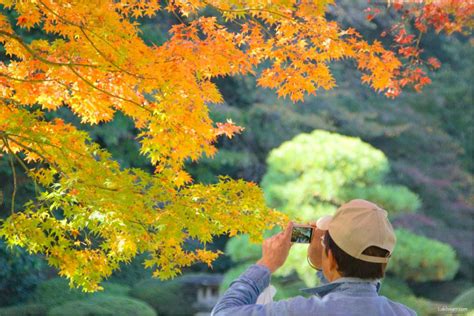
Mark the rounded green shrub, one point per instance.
(393, 198)
(24, 310)
(57, 291)
(103, 305)
(168, 298)
(313, 170)
(465, 299)
(420, 259)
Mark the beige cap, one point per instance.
(358, 225)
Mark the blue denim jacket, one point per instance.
(344, 296)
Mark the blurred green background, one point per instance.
(412, 155)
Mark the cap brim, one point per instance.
(323, 222)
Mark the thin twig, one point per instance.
(249, 10)
(5, 141)
(175, 14)
(420, 35)
(50, 162)
(12, 165)
(105, 57)
(78, 25)
(83, 30)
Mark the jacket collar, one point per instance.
(340, 284)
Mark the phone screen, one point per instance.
(301, 234)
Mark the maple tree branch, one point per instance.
(39, 154)
(46, 143)
(63, 84)
(108, 60)
(49, 80)
(47, 160)
(107, 92)
(28, 148)
(40, 58)
(34, 81)
(50, 162)
(2, 74)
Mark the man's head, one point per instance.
(358, 241)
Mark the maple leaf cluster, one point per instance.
(416, 19)
(89, 214)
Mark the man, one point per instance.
(351, 249)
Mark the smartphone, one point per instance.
(301, 233)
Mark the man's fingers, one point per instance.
(287, 231)
(281, 236)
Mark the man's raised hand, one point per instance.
(276, 248)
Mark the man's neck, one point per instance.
(333, 275)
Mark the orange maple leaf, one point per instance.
(228, 128)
